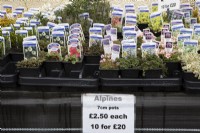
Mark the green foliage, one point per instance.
(174, 57)
(53, 57)
(30, 63)
(99, 11)
(131, 62)
(151, 62)
(156, 24)
(107, 63)
(143, 18)
(195, 14)
(43, 44)
(94, 50)
(42, 19)
(64, 51)
(71, 59)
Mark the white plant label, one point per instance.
(163, 5)
(108, 113)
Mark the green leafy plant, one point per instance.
(173, 57)
(43, 44)
(152, 62)
(53, 57)
(107, 63)
(131, 62)
(30, 63)
(94, 50)
(72, 59)
(195, 14)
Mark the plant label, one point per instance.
(115, 51)
(30, 50)
(163, 5)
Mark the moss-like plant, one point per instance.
(72, 59)
(94, 50)
(30, 63)
(107, 63)
(6, 21)
(173, 57)
(43, 44)
(152, 62)
(131, 62)
(195, 14)
(53, 57)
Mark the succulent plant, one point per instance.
(94, 50)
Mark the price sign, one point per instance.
(163, 5)
(108, 113)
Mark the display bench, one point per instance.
(50, 110)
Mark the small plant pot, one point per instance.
(92, 59)
(142, 26)
(189, 76)
(156, 73)
(16, 57)
(29, 72)
(173, 69)
(109, 73)
(68, 67)
(53, 68)
(130, 73)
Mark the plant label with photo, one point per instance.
(129, 49)
(156, 20)
(2, 46)
(6, 35)
(130, 22)
(168, 35)
(51, 25)
(74, 36)
(163, 5)
(35, 21)
(99, 25)
(177, 15)
(130, 10)
(168, 46)
(196, 26)
(113, 34)
(59, 37)
(77, 31)
(187, 9)
(176, 29)
(30, 30)
(95, 40)
(190, 46)
(58, 28)
(184, 5)
(115, 51)
(182, 38)
(176, 22)
(127, 35)
(106, 46)
(66, 25)
(166, 26)
(108, 37)
(116, 20)
(148, 37)
(54, 48)
(95, 31)
(197, 34)
(192, 22)
(30, 50)
(108, 28)
(131, 16)
(154, 7)
(148, 48)
(44, 33)
(128, 28)
(186, 31)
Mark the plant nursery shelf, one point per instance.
(58, 82)
(164, 82)
(192, 86)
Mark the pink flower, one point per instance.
(168, 55)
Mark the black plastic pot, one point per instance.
(189, 76)
(142, 26)
(29, 72)
(69, 67)
(11, 57)
(109, 73)
(156, 34)
(92, 59)
(173, 69)
(156, 73)
(53, 68)
(130, 73)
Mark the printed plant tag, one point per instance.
(130, 35)
(6, 35)
(192, 22)
(106, 46)
(168, 46)
(177, 15)
(95, 31)
(130, 22)
(30, 50)
(182, 38)
(58, 28)
(108, 28)
(148, 48)
(74, 48)
(176, 29)
(8, 8)
(196, 26)
(114, 34)
(44, 33)
(148, 37)
(129, 49)
(190, 46)
(168, 35)
(184, 5)
(59, 37)
(116, 20)
(166, 26)
(197, 34)
(115, 51)
(66, 25)
(2, 46)
(95, 40)
(176, 22)
(128, 28)
(30, 30)
(74, 36)
(54, 48)
(154, 7)
(99, 25)
(186, 31)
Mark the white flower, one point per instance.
(61, 42)
(43, 33)
(33, 53)
(47, 37)
(58, 38)
(30, 49)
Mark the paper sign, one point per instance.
(108, 113)
(163, 5)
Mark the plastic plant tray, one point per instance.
(192, 86)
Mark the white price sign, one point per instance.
(163, 5)
(108, 113)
